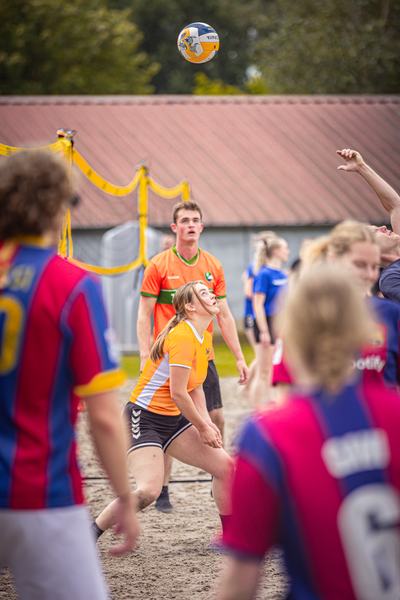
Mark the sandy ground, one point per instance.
(172, 560)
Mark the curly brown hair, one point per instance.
(34, 189)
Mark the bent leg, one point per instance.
(260, 390)
(147, 466)
(163, 503)
(189, 449)
(167, 468)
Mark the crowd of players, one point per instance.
(317, 468)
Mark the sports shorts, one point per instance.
(212, 390)
(52, 554)
(270, 324)
(146, 428)
(248, 322)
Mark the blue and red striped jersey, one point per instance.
(53, 350)
(320, 475)
(378, 361)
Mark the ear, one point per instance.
(202, 227)
(190, 308)
(173, 227)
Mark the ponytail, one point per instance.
(265, 251)
(157, 350)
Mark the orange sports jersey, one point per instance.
(183, 347)
(167, 271)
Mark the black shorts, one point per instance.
(248, 322)
(270, 329)
(146, 428)
(211, 388)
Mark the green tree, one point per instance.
(161, 22)
(73, 47)
(215, 87)
(325, 47)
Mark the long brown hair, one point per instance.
(183, 296)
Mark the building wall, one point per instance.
(232, 246)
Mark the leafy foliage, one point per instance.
(325, 47)
(129, 47)
(161, 22)
(215, 87)
(73, 47)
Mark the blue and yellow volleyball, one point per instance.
(198, 43)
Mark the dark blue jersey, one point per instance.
(384, 349)
(53, 349)
(320, 476)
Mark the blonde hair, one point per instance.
(265, 250)
(337, 243)
(263, 235)
(326, 321)
(183, 296)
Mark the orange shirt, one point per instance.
(167, 271)
(183, 347)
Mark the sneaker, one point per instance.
(163, 504)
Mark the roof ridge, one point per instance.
(197, 99)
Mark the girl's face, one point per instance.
(283, 251)
(208, 300)
(362, 260)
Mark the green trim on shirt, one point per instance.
(188, 262)
(167, 296)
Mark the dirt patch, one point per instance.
(173, 560)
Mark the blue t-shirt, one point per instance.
(389, 281)
(272, 283)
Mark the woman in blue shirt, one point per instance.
(269, 287)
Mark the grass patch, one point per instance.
(224, 360)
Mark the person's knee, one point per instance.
(264, 373)
(224, 468)
(147, 495)
(217, 417)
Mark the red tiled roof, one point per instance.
(250, 160)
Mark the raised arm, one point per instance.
(146, 307)
(229, 333)
(387, 196)
(109, 437)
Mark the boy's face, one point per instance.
(188, 225)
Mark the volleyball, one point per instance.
(198, 43)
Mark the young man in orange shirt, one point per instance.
(165, 273)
